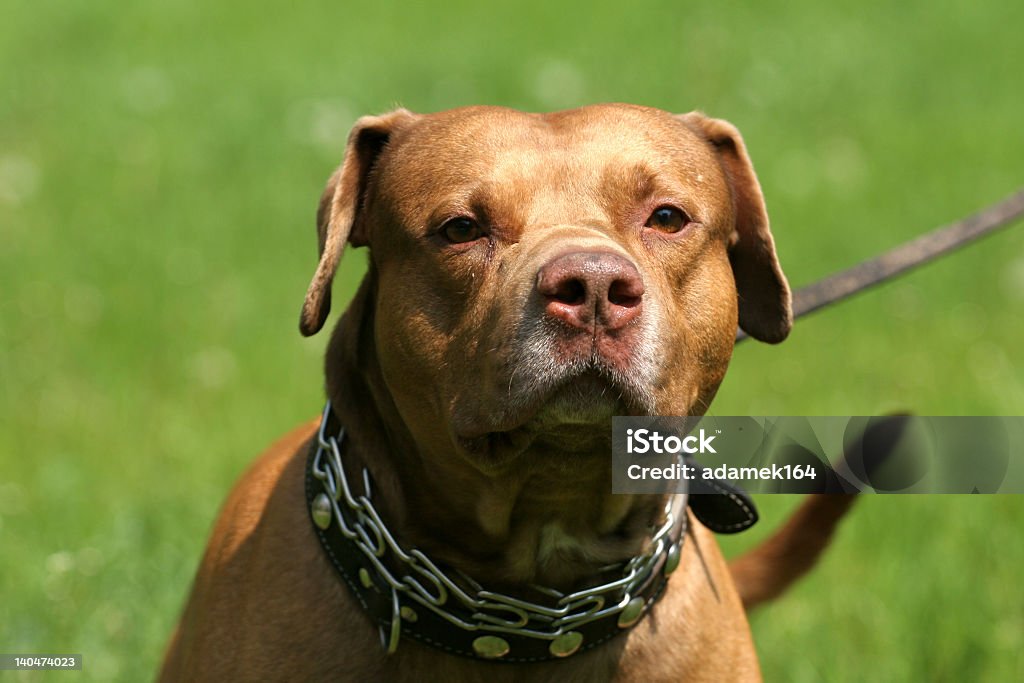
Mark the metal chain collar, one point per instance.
(422, 582)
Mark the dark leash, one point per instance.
(906, 257)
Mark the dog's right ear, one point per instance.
(339, 209)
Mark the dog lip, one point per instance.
(532, 416)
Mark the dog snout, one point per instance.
(589, 288)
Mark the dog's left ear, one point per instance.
(765, 303)
(337, 218)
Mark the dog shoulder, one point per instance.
(697, 631)
(263, 566)
(275, 475)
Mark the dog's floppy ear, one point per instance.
(339, 207)
(765, 303)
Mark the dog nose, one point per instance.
(581, 287)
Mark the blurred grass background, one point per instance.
(159, 169)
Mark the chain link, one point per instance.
(428, 585)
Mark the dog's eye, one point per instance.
(461, 230)
(667, 219)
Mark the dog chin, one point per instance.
(587, 400)
(574, 417)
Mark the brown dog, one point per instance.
(530, 277)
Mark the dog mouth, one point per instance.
(587, 399)
(571, 416)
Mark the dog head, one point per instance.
(534, 275)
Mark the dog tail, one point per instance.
(764, 573)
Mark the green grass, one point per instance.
(159, 168)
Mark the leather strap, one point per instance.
(720, 506)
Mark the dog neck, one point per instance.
(504, 530)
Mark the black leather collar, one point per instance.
(398, 588)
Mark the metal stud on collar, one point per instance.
(320, 511)
(491, 647)
(631, 613)
(566, 644)
(672, 558)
